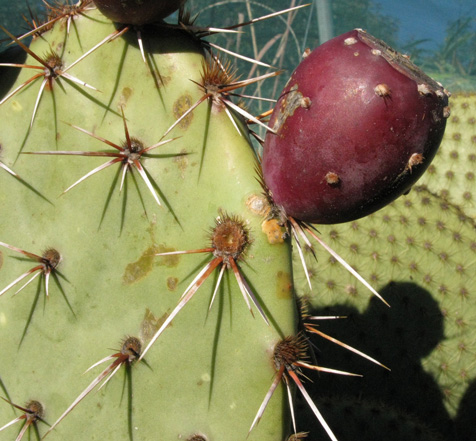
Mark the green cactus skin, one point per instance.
(419, 253)
(454, 179)
(207, 374)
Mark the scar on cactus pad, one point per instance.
(33, 412)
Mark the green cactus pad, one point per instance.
(453, 176)
(207, 374)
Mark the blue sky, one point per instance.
(420, 19)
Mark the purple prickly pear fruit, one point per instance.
(356, 126)
(137, 12)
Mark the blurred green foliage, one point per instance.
(283, 39)
(454, 61)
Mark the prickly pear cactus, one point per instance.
(146, 290)
(95, 200)
(419, 254)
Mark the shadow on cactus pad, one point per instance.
(405, 403)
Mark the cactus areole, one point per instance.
(137, 12)
(356, 126)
